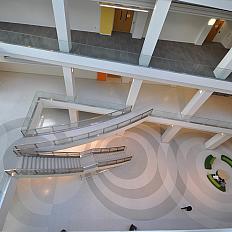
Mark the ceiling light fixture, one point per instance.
(211, 22)
(122, 7)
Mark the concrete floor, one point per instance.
(168, 55)
(149, 191)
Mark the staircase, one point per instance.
(78, 136)
(91, 161)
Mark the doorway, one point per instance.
(123, 20)
(214, 30)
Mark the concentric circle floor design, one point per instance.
(148, 191)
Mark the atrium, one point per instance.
(115, 114)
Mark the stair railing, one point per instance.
(27, 148)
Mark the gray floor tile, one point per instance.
(168, 55)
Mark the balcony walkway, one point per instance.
(168, 55)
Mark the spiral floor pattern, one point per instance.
(149, 191)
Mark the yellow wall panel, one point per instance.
(106, 20)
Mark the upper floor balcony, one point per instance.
(172, 56)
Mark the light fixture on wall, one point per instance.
(211, 22)
(72, 70)
(117, 6)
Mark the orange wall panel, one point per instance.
(101, 76)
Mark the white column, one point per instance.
(190, 109)
(196, 102)
(170, 133)
(139, 24)
(125, 80)
(224, 68)
(154, 29)
(217, 140)
(70, 87)
(60, 11)
(69, 81)
(203, 34)
(134, 92)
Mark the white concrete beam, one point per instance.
(224, 68)
(190, 109)
(154, 29)
(170, 133)
(134, 92)
(196, 102)
(152, 119)
(217, 140)
(60, 11)
(131, 71)
(188, 125)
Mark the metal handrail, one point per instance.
(18, 171)
(43, 171)
(79, 124)
(28, 147)
(4, 183)
(27, 131)
(74, 154)
(193, 119)
(113, 162)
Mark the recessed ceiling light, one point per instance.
(123, 7)
(211, 22)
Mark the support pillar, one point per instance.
(134, 92)
(60, 11)
(203, 34)
(224, 68)
(170, 133)
(190, 109)
(70, 87)
(196, 102)
(69, 81)
(217, 140)
(154, 29)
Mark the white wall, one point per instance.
(84, 15)
(182, 27)
(139, 24)
(17, 91)
(32, 12)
